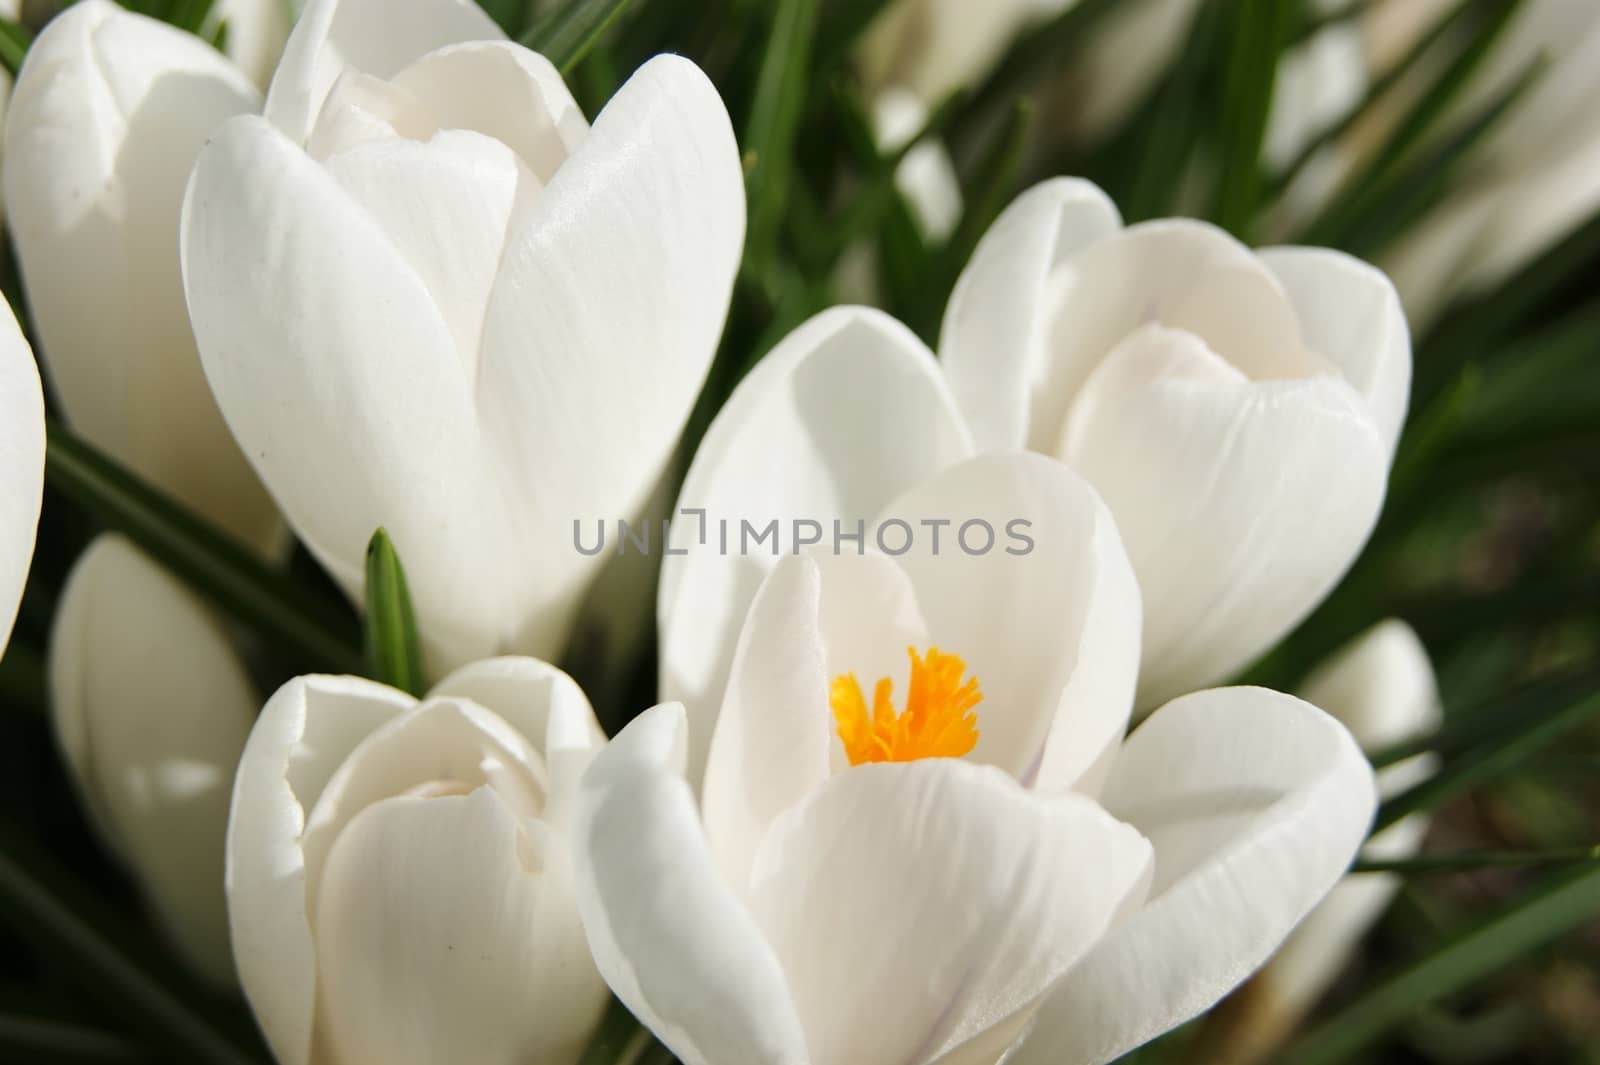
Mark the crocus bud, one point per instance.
(151, 709)
(108, 115)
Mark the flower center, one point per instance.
(938, 721)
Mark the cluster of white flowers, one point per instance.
(415, 287)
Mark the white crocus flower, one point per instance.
(991, 873)
(21, 465)
(151, 708)
(429, 296)
(1236, 409)
(398, 872)
(1382, 687)
(109, 113)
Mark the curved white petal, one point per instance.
(847, 412)
(152, 708)
(915, 906)
(377, 37)
(446, 930)
(504, 91)
(1241, 502)
(666, 931)
(1256, 803)
(341, 381)
(772, 740)
(546, 706)
(21, 465)
(108, 117)
(1381, 686)
(1350, 314)
(1047, 617)
(606, 313)
(257, 31)
(993, 344)
(303, 735)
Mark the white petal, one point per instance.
(666, 931)
(847, 412)
(1350, 314)
(152, 708)
(1256, 803)
(1241, 502)
(992, 344)
(446, 203)
(771, 745)
(441, 745)
(504, 91)
(303, 735)
(341, 380)
(21, 466)
(257, 32)
(606, 314)
(108, 116)
(914, 906)
(446, 931)
(1049, 625)
(377, 37)
(542, 703)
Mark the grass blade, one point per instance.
(33, 913)
(774, 120)
(1470, 861)
(565, 35)
(14, 42)
(1565, 902)
(321, 633)
(393, 653)
(1252, 40)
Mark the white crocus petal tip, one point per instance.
(1256, 803)
(992, 340)
(21, 465)
(1381, 685)
(152, 708)
(1350, 314)
(376, 37)
(667, 933)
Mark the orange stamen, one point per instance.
(938, 721)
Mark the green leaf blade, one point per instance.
(394, 654)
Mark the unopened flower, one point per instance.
(398, 873)
(430, 296)
(962, 861)
(151, 707)
(109, 113)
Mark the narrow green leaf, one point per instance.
(393, 653)
(14, 42)
(50, 1042)
(566, 34)
(1483, 762)
(1393, 172)
(1565, 902)
(1481, 323)
(1167, 129)
(1253, 35)
(1469, 861)
(30, 911)
(774, 120)
(619, 1040)
(510, 15)
(320, 633)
